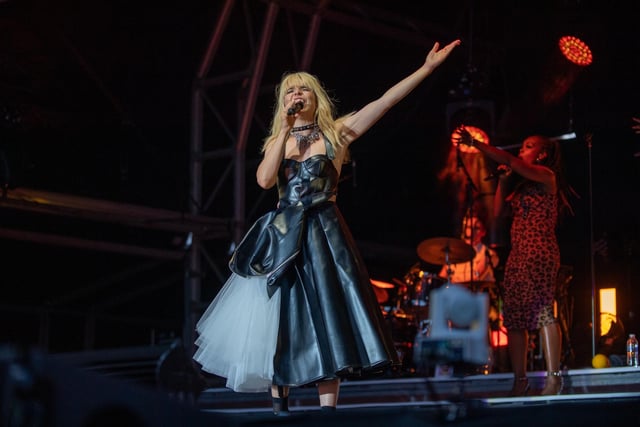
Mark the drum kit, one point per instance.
(405, 303)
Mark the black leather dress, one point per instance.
(330, 322)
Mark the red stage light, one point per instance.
(575, 50)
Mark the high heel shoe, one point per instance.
(554, 384)
(520, 387)
(281, 404)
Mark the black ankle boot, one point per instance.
(328, 408)
(280, 404)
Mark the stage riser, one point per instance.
(371, 392)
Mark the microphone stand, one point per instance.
(589, 140)
(470, 187)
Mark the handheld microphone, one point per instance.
(295, 108)
(495, 174)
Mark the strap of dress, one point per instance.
(331, 153)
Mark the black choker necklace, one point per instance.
(305, 127)
(304, 141)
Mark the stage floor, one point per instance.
(471, 392)
(582, 410)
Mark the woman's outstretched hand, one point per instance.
(436, 56)
(463, 136)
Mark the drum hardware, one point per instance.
(445, 251)
(382, 296)
(480, 285)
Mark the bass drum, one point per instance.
(403, 331)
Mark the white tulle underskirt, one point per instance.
(238, 334)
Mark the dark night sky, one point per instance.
(95, 98)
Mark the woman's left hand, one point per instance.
(437, 56)
(464, 137)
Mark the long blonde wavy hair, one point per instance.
(324, 114)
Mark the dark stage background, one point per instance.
(96, 95)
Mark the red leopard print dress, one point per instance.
(534, 259)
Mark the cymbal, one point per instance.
(435, 250)
(381, 284)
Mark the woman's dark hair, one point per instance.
(553, 161)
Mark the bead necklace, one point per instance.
(304, 141)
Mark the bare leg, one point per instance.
(518, 346)
(328, 393)
(551, 347)
(276, 393)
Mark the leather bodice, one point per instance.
(308, 182)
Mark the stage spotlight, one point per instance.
(458, 325)
(565, 65)
(575, 50)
